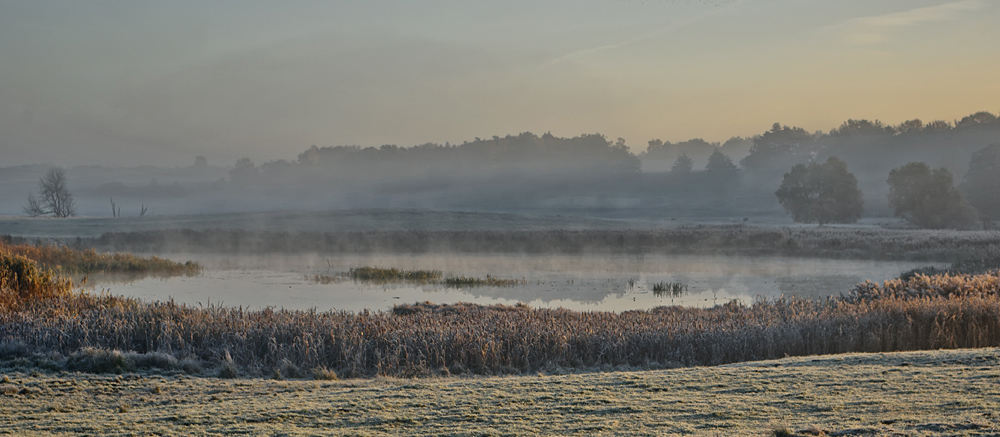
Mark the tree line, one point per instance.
(739, 176)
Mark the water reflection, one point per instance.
(586, 283)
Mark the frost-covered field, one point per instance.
(914, 393)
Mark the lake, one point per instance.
(583, 283)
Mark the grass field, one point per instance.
(914, 393)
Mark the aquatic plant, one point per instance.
(489, 281)
(379, 274)
(669, 289)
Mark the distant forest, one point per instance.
(544, 172)
(693, 176)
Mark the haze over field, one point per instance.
(125, 84)
(602, 201)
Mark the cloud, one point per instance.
(874, 29)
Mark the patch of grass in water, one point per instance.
(379, 274)
(669, 288)
(489, 281)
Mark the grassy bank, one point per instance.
(914, 394)
(830, 242)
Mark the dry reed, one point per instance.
(66, 260)
(423, 339)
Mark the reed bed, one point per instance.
(66, 260)
(380, 274)
(489, 281)
(100, 332)
(326, 279)
(669, 289)
(22, 283)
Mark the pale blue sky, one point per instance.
(129, 83)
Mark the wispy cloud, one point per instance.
(875, 29)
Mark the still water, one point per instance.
(584, 283)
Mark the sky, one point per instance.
(157, 83)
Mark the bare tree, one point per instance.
(53, 196)
(33, 208)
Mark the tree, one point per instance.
(821, 193)
(982, 182)
(910, 126)
(719, 163)
(244, 171)
(682, 165)
(723, 176)
(53, 196)
(779, 147)
(928, 198)
(861, 128)
(978, 119)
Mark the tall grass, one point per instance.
(425, 339)
(22, 283)
(66, 260)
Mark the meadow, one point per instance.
(954, 393)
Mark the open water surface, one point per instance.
(583, 283)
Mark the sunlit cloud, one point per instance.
(875, 29)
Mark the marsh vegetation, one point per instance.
(392, 274)
(669, 288)
(61, 259)
(49, 326)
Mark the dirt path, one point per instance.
(920, 393)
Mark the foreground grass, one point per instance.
(914, 394)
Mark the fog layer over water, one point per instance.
(586, 283)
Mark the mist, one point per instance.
(588, 175)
